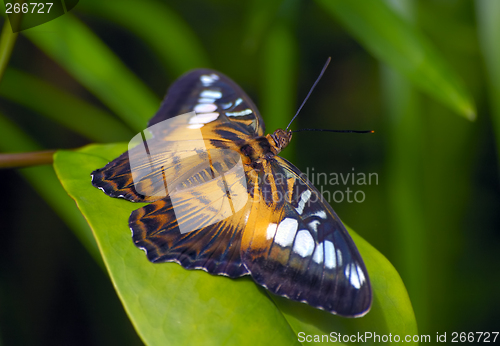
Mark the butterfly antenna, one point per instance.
(310, 91)
(341, 131)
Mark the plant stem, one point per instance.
(19, 160)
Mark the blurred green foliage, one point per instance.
(405, 69)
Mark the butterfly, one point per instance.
(222, 200)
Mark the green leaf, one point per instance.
(24, 89)
(488, 22)
(406, 164)
(7, 41)
(402, 46)
(164, 30)
(78, 50)
(168, 304)
(260, 17)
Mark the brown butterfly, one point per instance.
(226, 203)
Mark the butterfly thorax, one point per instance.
(265, 147)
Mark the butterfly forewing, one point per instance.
(223, 114)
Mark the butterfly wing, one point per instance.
(214, 248)
(297, 247)
(198, 227)
(223, 116)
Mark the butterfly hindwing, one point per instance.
(305, 253)
(214, 248)
(199, 224)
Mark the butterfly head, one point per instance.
(281, 139)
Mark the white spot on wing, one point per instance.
(314, 225)
(238, 101)
(239, 114)
(203, 118)
(361, 275)
(205, 108)
(318, 254)
(206, 80)
(339, 257)
(330, 260)
(304, 197)
(286, 232)
(206, 100)
(304, 243)
(211, 93)
(271, 230)
(321, 214)
(353, 274)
